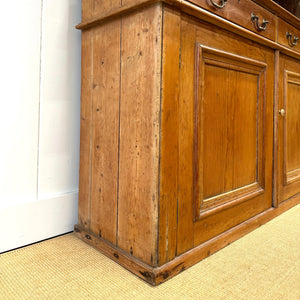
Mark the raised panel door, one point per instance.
(288, 128)
(229, 135)
(228, 128)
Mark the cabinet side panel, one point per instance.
(106, 94)
(139, 133)
(169, 137)
(85, 130)
(186, 126)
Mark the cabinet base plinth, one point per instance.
(157, 275)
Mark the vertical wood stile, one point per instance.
(106, 86)
(275, 150)
(186, 102)
(169, 137)
(139, 133)
(267, 117)
(85, 129)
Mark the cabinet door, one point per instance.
(225, 132)
(288, 128)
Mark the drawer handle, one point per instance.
(221, 5)
(263, 26)
(292, 40)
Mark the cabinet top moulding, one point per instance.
(184, 5)
(193, 10)
(108, 14)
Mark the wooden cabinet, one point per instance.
(183, 149)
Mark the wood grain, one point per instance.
(185, 239)
(106, 94)
(123, 258)
(169, 137)
(127, 6)
(276, 127)
(248, 70)
(101, 6)
(87, 9)
(288, 179)
(225, 122)
(86, 120)
(139, 133)
(292, 122)
(230, 128)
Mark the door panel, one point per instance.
(230, 135)
(289, 129)
(228, 128)
(292, 124)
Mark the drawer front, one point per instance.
(288, 35)
(239, 12)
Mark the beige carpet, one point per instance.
(265, 264)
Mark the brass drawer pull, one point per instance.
(292, 40)
(263, 26)
(221, 5)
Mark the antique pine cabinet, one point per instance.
(190, 127)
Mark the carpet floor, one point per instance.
(265, 264)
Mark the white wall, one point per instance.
(39, 123)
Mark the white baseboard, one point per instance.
(32, 222)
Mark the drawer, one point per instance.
(288, 35)
(239, 12)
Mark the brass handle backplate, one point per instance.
(221, 5)
(263, 26)
(292, 39)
